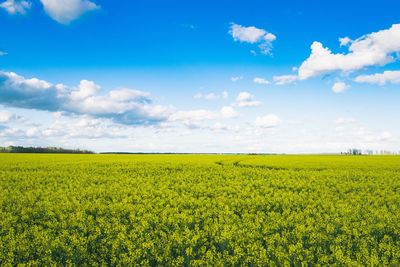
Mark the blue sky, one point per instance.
(254, 76)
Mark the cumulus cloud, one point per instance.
(85, 89)
(16, 7)
(267, 121)
(380, 78)
(259, 80)
(65, 127)
(125, 106)
(285, 79)
(253, 35)
(377, 48)
(246, 34)
(65, 11)
(81, 127)
(339, 87)
(245, 99)
(344, 41)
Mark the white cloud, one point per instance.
(385, 136)
(253, 35)
(67, 127)
(380, 78)
(10, 132)
(342, 120)
(371, 137)
(246, 34)
(270, 37)
(82, 127)
(345, 41)
(125, 106)
(219, 127)
(211, 96)
(198, 96)
(6, 116)
(32, 132)
(16, 7)
(228, 112)
(2, 53)
(65, 11)
(265, 48)
(85, 90)
(259, 80)
(245, 99)
(236, 78)
(285, 79)
(378, 48)
(193, 116)
(339, 87)
(267, 121)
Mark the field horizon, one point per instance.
(60, 150)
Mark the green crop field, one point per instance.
(199, 210)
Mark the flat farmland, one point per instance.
(199, 210)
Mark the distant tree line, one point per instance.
(356, 151)
(57, 150)
(353, 151)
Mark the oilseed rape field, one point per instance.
(199, 210)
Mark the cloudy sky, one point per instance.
(210, 76)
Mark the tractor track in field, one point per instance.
(239, 164)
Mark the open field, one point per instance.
(199, 210)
